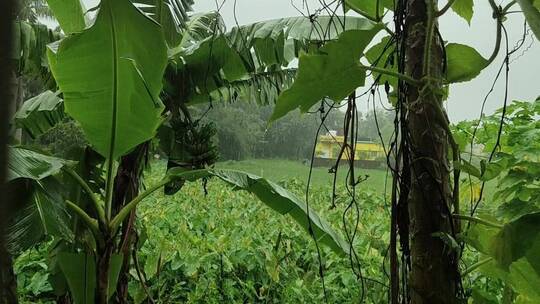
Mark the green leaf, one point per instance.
(480, 236)
(80, 272)
(467, 167)
(464, 9)
(284, 202)
(39, 114)
(531, 10)
(24, 163)
(464, 63)
(111, 79)
(275, 197)
(382, 55)
(521, 276)
(515, 208)
(172, 15)
(367, 7)
(42, 212)
(516, 252)
(332, 72)
(212, 64)
(261, 88)
(200, 27)
(114, 272)
(69, 13)
(493, 169)
(29, 47)
(516, 239)
(525, 278)
(480, 296)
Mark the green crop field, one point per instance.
(225, 246)
(278, 169)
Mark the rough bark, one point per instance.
(8, 287)
(434, 276)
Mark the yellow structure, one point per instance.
(367, 154)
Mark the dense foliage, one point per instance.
(224, 246)
(94, 224)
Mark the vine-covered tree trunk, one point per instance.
(434, 276)
(8, 282)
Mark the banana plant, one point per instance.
(110, 83)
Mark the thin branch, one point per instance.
(476, 265)
(445, 8)
(477, 220)
(497, 43)
(403, 77)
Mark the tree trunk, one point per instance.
(103, 265)
(8, 287)
(434, 276)
(126, 188)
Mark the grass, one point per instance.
(279, 169)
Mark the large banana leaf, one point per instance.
(261, 88)
(171, 14)
(42, 209)
(200, 27)
(260, 45)
(110, 75)
(41, 213)
(40, 113)
(275, 197)
(29, 46)
(80, 272)
(69, 13)
(208, 66)
(24, 163)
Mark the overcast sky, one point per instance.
(465, 99)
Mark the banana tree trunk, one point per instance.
(8, 287)
(126, 187)
(103, 265)
(434, 276)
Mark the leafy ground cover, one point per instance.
(211, 244)
(226, 247)
(279, 169)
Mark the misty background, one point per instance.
(243, 131)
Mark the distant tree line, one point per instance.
(243, 130)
